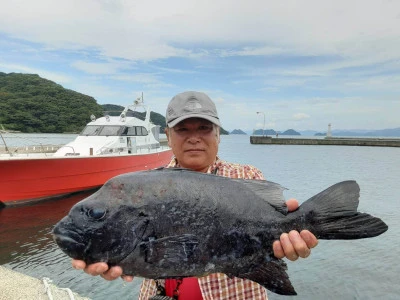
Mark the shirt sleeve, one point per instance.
(253, 173)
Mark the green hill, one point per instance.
(29, 103)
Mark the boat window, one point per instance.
(141, 130)
(91, 130)
(111, 130)
(131, 130)
(135, 131)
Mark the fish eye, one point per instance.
(142, 214)
(96, 213)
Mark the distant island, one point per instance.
(237, 131)
(290, 132)
(274, 133)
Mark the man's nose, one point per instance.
(194, 137)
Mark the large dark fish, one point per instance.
(170, 223)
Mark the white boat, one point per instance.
(107, 146)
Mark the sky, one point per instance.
(301, 64)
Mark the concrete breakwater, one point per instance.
(333, 141)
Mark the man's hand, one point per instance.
(101, 269)
(293, 245)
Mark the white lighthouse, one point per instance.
(329, 133)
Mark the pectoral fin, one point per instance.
(172, 249)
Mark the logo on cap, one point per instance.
(193, 105)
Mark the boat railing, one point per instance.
(27, 150)
(73, 153)
(133, 150)
(28, 146)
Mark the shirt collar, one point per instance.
(211, 169)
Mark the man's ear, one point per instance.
(218, 134)
(166, 130)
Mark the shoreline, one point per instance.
(15, 285)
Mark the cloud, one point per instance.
(57, 77)
(300, 116)
(303, 63)
(100, 68)
(137, 31)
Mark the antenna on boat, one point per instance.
(5, 144)
(139, 100)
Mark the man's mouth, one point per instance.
(194, 150)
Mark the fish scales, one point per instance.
(174, 223)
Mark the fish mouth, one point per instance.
(74, 244)
(69, 240)
(70, 243)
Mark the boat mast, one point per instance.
(5, 144)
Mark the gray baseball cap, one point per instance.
(191, 105)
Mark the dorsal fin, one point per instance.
(270, 192)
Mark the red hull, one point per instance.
(32, 179)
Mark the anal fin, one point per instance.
(272, 275)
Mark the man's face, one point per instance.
(194, 142)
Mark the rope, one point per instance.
(47, 289)
(70, 294)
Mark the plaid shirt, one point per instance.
(219, 286)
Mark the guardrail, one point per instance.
(30, 149)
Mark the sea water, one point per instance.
(358, 269)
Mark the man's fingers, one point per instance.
(112, 274)
(101, 269)
(292, 204)
(299, 245)
(127, 278)
(278, 250)
(96, 268)
(309, 238)
(288, 248)
(78, 264)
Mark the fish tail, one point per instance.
(332, 214)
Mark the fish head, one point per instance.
(98, 229)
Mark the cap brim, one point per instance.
(206, 117)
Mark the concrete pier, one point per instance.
(14, 286)
(332, 141)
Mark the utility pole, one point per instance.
(260, 112)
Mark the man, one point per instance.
(193, 132)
